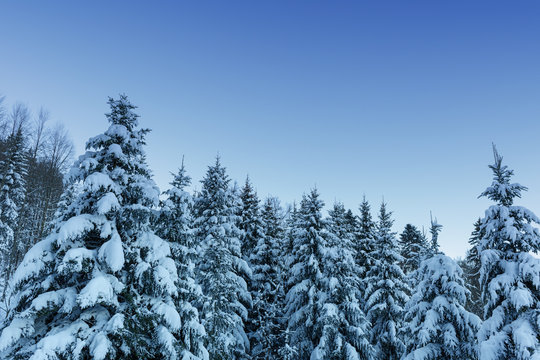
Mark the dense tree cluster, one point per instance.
(129, 273)
(33, 160)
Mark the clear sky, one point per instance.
(400, 99)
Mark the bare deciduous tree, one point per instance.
(38, 132)
(58, 147)
(46, 153)
(20, 117)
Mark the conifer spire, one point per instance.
(509, 274)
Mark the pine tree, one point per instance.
(101, 286)
(222, 268)
(12, 191)
(292, 224)
(303, 306)
(413, 248)
(351, 225)
(510, 274)
(367, 226)
(250, 219)
(435, 229)
(267, 285)
(387, 290)
(471, 271)
(363, 248)
(345, 330)
(288, 351)
(436, 324)
(175, 225)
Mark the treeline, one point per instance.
(218, 274)
(33, 159)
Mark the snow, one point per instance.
(141, 268)
(157, 247)
(112, 253)
(47, 300)
(99, 347)
(74, 227)
(117, 130)
(115, 323)
(70, 300)
(169, 313)
(524, 336)
(116, 150)
(13, 332)
(74, 258)
(57, 342)
(98, 181)
(491, 349)
(521, 298)
(165, 279)
(98, 290)
(34, 261)
(107, 203)
(167, 340)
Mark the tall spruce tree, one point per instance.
(222, 269)
(288, 351)
(413, 248)
(471, 271)
(12, 193)
(436, 324)
(303, 307)
(345, 332)
(363, 247)
(101, 286)
(267, 285)
(250, 219)
(292, 225)
(434, 229)
(175, 224)
(351, 225)
(387, 290)
(510, 274)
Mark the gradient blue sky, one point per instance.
(400, 99)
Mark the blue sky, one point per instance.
(388, 98)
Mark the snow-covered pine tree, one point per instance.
(292, 219)
(351, 225)
(345, 332)
(303, 300)
(471, 271)
(250, 220)
(12, 191)
(367, 226)
(288, 351)
(363, 247)
(175, 224)
(266, 315)
(413, 249)
(386, 292)
(510, 273)
(222, 270)
(435, 228)
(101, 285)
(250, 223)
(436, 323)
